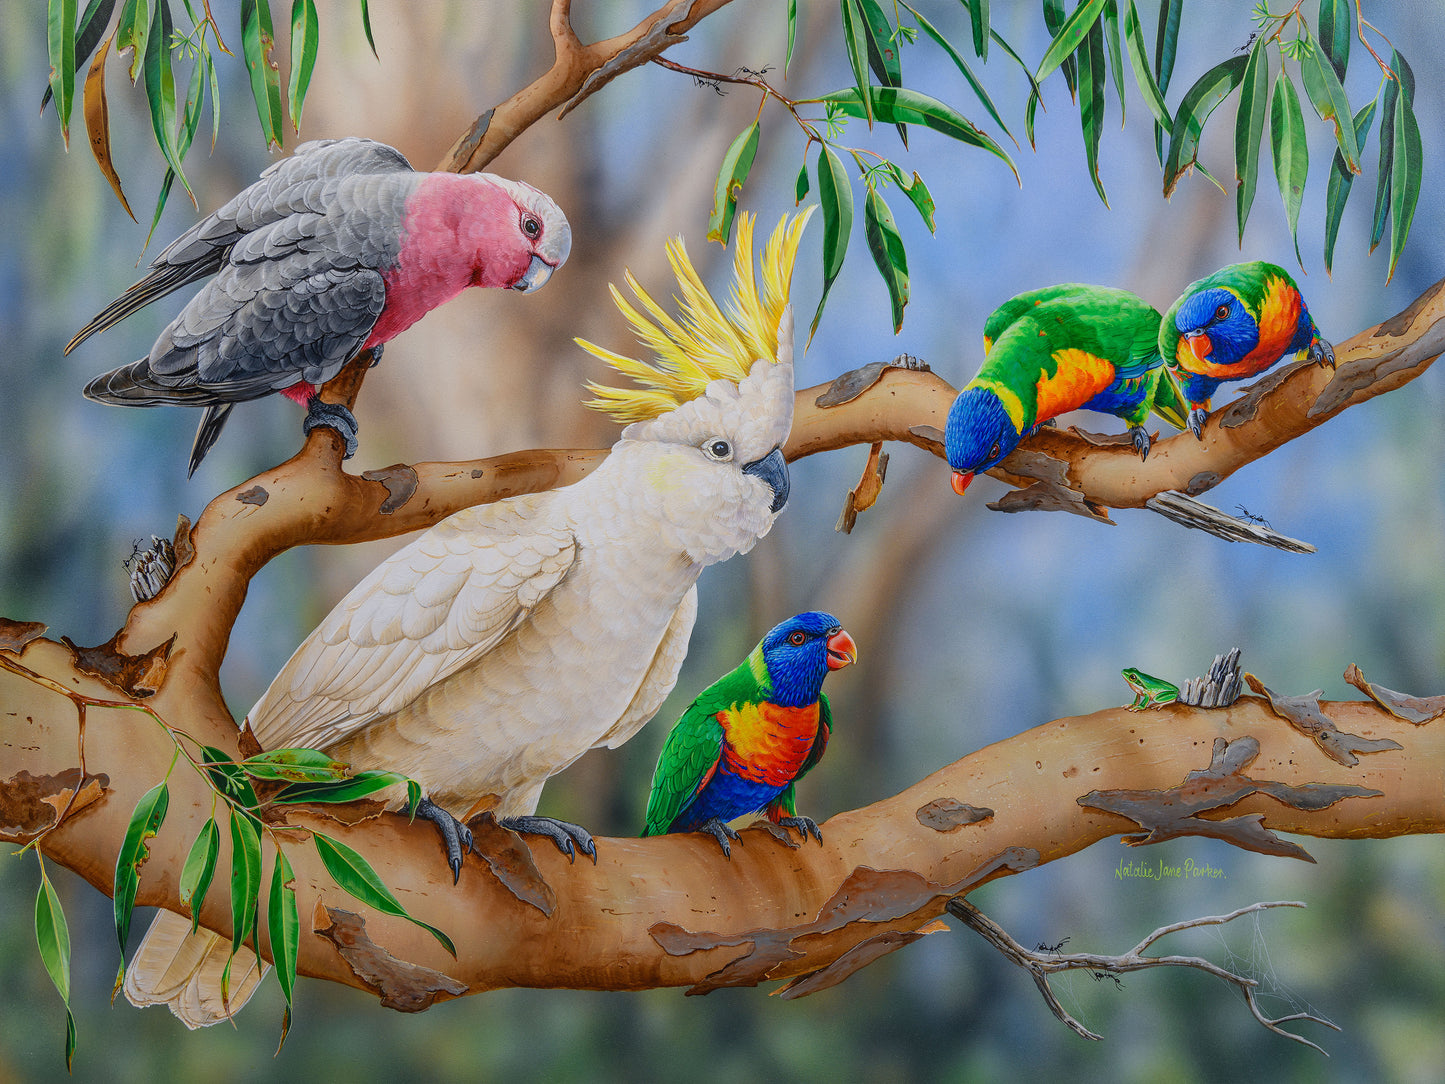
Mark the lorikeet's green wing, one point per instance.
(693, 748)
(1006, 314)
(785, 804)
(689, 758)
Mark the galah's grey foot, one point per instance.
(455, 835)
(1322, 353)
(563, 833)
(804, 825)
(376, 352)
(332, 416)
(720, 832)
(1196, 421)
(1140, 436)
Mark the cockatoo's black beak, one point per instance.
(772, 469)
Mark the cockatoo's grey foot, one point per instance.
(455, 835)
(804, 825)
(1140, 436)
(720, 832)
(563, 833)
(1196, 421)
(376, 352)
(1322, 353)
(332, 416)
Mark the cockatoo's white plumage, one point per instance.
(503, 643)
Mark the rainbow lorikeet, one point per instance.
(753, 733)
(1235, 324)
(1054, 350)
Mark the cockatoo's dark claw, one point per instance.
(376, 352)
(332, 416)
(455, 835)
(563, 833)
(804, 825)
(720, 832)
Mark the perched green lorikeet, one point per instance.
(1235, 324)
(1054, 350)
(742, 744)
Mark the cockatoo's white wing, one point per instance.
(428, 610)
(661, 675)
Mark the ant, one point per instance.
(1055, 949)
(1245, 47)
(1250, 517)
(1097, 975)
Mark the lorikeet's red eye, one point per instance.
(993, 452)
(797, 639)
(1221, 312)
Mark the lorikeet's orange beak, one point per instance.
(841, 650)
(961, 478)
(1197, 345)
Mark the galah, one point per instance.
(751, 735)
(505, 642)
(335, 250)
(1050, 351)
(1234, 324)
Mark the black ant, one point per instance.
(1054, 949)
(1250, 517)
(1097, 975)
(1245, 47)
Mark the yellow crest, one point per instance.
(706, 343)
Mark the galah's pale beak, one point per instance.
(535, 277)
(960, 480)
(841, 650)
(1197, 345)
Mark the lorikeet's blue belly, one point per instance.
(1121, 397)
(726, 796)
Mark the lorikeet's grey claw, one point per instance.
(1140, 436)
(455, 835)
(720, 832)
(563, 833)
(1322, 353)
(332, 416)
(804, 825)
(1196, 422)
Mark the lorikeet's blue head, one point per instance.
(1214, 325)
(979, 434)
(799, 653)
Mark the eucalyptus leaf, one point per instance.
(736, 164)
(199, 869)
(354, 875)
(1069, 36)
(304, 39)
(145, 821)
(886, 246)
(1198, 102)
(835, 193)
(1337, 191)
(1092, 79)
(1249, 129)
(1291, 152)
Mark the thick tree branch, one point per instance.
(671, 910)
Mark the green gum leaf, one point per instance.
(1116, 53)
(60, 38)
(145, 821)
(1408, 166)
(1069, 36)
(304, 35)
(1198, 102)
(1249, 129)
(1143, 75)
(1327, 96)
(360, 785)
(962, 65)
(854, 40)
(245, 877)
(284, 925)
(295, 766)
(1337, 191)
(354, 875)
(199, 868)
(736, 164)
(835, 193)
(1291, 152)
(886, 246)
(1092, 79)
(1336, 27)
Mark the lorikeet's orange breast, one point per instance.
(1078, 377)
(1278, 323)
(767, 743)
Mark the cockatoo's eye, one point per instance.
(1222, 312)
(718, 449)
(531, 225)
(797, 639)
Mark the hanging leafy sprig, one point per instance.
(1283, 54)
(148, 30)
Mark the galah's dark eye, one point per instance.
(718, 449)
(1222, 312)
(531, 226)
(797, 639)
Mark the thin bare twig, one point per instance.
(1042, 964)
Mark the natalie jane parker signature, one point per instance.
(1144, 871)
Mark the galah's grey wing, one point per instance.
(299, 183)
